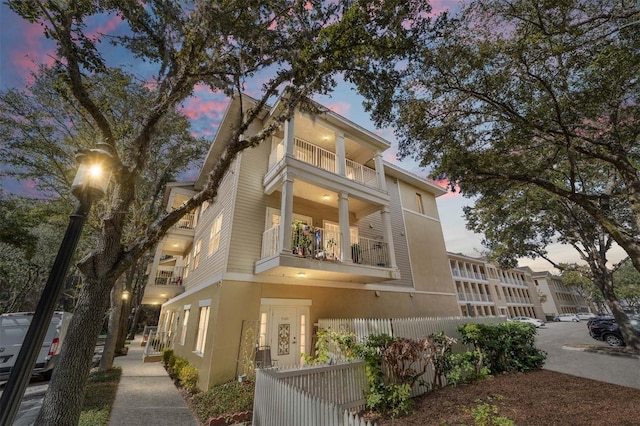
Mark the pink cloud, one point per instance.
(339, 107)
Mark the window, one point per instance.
(205, 205)
(187, 263)
(203, 323)
(185, 321)
(419, 203)
(196, 253)
(214, 237)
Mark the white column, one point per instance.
(286, 214)
(288, 136)
(345, 234)
(382, 184)
(388, 237)
(156, 262)
(341, 157)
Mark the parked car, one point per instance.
(13, 329)
(535, 321)
(607, 330)
(586, 315)
(566, 317)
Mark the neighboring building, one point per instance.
(556, 297)
(484, 289)
(310, 224)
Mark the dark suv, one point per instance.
(606, 329)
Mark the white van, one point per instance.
(13, 329)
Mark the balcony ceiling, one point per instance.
(317, 194)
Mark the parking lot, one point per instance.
(555, 337)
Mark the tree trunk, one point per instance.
(134, 323)
(106, 362)
(63, 401)
(605, 282)
(123, 327)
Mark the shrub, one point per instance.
(179, 364)
(168, 359)
(506, 347)
(228, 398)
(188, 378)
(485, 414)
(465, 368)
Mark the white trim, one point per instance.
(267, 279)
(204, 302)
(404, 233)
(435, 219)
(267, 301)
(186, 307)
(212, 281)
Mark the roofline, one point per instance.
(413, 179)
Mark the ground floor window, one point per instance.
(203, 323)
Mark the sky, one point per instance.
(23, 47)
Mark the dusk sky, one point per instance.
(23, 47)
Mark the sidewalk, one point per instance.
(146, 395)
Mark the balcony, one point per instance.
(317, 253)
(326, 160)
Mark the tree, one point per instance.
(627, 280)
(302, 45)
(580, 278)
(532, 93)
(523, 220)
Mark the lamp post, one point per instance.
(90, 184)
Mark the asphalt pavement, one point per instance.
(556, 339)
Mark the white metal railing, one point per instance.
(188, 221)
(325, 160)
(314, 155)
(316, 243)
(156, 342)
(169, 275)
(370, 252)
(323, 396)
(270, 241)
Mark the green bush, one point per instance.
(188, 378)
(227, 398)
(178, 365)
(485, 414)
(168, 359)
(465, 367)
(506, 347)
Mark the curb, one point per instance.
(601, 351)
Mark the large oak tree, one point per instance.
(300, 46)
(515, 94)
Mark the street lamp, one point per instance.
(89, 185)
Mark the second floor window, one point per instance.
(196, 253)
(214, 238)
(419, 203)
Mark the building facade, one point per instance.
(310, 224)
(556, 297)
(483, 289)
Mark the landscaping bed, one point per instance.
(540, 397)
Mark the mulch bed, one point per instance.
(542, 397)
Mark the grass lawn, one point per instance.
(100, 393)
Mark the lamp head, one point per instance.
(94, 172)
(125, 295)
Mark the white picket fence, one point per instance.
(314, 396)
(411, 328)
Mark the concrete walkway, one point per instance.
(146, 395)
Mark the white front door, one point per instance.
(285, 329)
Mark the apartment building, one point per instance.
(557, 298)
(483, 289)
(310, 224)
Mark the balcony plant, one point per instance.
(331, 243)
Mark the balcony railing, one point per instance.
(325, 160)
(169, 275)
(316, 243)
(188, 221)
